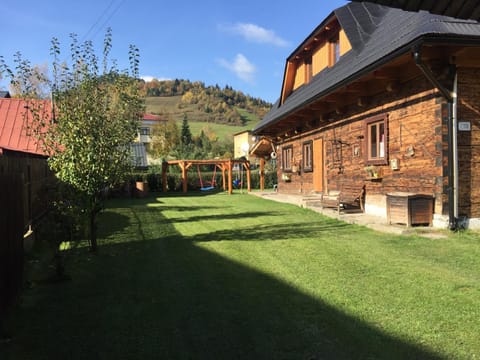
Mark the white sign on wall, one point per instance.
(464, 126)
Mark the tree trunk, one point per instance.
(94, 210)
(93, 230)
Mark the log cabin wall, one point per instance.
(416, 127)
(469, 142)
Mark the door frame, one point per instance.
(318, 165)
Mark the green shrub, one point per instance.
(154, 182)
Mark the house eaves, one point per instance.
(377, 34)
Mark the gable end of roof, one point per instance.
(377, 34)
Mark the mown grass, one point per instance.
(221, 131)
(197, 120)
(239, 277)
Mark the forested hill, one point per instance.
(177, 98)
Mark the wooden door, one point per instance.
(318, 165)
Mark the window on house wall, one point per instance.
(144, 131)
(287, 156)
(308, 69)
(334, 51)
(307, 156)
(376, 140)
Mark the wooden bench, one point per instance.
(350, 195)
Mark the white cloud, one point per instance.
(148, 78)
(255, 33)
(241, 66)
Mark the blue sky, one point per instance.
(243, 44)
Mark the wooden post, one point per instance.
(230, 179)
(184, 168)
(223, 168)
(262, 173)
(164, 176)
(247, 166)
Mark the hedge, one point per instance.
(174, 182)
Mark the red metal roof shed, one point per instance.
(15, 118)
(152, 117)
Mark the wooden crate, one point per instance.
(410, 209)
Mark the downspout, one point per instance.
(452, 168)
(455, 149)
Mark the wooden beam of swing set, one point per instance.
(225, 165)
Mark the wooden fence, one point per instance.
(24, 184)
(11, 238)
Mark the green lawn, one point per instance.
(240, 277)
(222, 131)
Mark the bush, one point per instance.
(270, 179)
(174, 182)
(154, 182)
(65, 222)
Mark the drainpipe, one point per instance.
(455, 149)
(452, 168)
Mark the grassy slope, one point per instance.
(196, 119)
(224, 277)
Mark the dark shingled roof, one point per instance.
(462, 9)
(377, 34)
(139, 155)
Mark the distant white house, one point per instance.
(144, 138)
(242, 143)
(148, 123)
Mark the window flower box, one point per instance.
(372, 171)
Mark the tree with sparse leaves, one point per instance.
(165, 139)
(97, 110)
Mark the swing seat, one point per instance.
(237, 183)
(205, 186)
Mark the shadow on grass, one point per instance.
(165, 297)
(191, 193)
(238, 216)
(118, 222)
(271, 232)
(154, 201)
(128, 202)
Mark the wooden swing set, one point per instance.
(225, 166)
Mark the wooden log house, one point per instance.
(387, 99)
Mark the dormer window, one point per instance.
(334, 51)
(320, 51)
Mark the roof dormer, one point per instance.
(322, 49)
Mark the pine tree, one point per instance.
(186, 133)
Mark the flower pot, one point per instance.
(141, 188)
